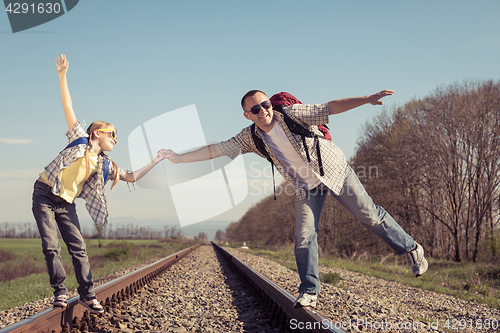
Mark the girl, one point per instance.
(79, 171)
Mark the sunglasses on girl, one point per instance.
(109, 130)
(256, 108)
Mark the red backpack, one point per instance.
(284, 98)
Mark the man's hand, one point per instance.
(62, 65)
(375, 98)
(170, 154)
(201, 154)
(159, 157)
(344, 104)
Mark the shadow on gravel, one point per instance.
(255, 315)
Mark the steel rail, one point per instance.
(298, 319)
(54, 319)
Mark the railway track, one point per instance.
(276, 304)
(261, 304)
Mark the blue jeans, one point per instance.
(353, 197)
(51, 212)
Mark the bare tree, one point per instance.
(440, 162)
(176, 233)
(99, 231)
(219, 236)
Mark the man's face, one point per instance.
(264, 119)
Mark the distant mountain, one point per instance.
(208, 227)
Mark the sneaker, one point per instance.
(306, 299)
(91, 304)
(60, 301)
(418, 263)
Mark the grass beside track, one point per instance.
(477, 282)
(24, 277)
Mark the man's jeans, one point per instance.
(52, 212)
(353, 197)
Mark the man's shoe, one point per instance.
(306, 299)
(60, 301)
(92, 305)
(418, 263)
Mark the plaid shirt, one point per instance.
(93, 188)
(309, 116)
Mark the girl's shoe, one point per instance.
(60, 301)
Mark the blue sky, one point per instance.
(131, 61)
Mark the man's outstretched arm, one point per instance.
(345, 104)
(202, 154)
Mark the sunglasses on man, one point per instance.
(256, 108)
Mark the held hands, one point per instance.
(62, 65)
(375, 98)
(138, 174)
(170, 154)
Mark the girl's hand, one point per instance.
(159, 157)
(62, 65)
(170, 154)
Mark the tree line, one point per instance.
(432, 163)
(128, 231)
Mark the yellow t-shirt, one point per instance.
(71, 178)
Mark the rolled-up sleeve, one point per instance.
(312, 114)
(76, 132)
(242, 143)
(120, 172)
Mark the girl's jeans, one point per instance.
(51, 213)
(353, 197)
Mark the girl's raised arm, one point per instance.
(62, 68)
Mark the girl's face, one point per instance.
(107, 137)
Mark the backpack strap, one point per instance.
(106, 168)
(259, 143)
(79, 141)
(85, 140)
(293, 125)
(297, 128)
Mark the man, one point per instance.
(313, 172)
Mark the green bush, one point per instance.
(119, 251)
(331, 278)
(290, 265)
(345, 245)
(6, 255)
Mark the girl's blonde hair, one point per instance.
(90, 131)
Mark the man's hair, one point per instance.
(249, 94)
